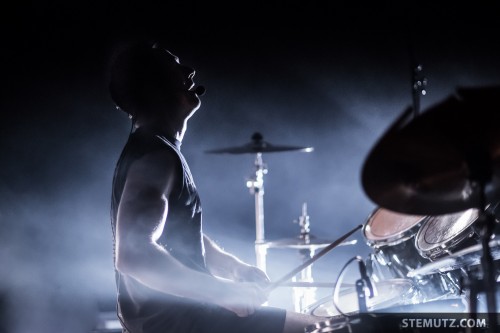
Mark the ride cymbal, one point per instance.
(258, 145)
(442, 161)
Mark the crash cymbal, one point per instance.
(442, 161)
(309, 242)
(465, 258)
(258, 145)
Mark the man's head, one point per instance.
(148, 82)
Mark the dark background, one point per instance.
(332, 75)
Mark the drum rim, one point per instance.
(411, 289)
(432, 251)
(402, 236)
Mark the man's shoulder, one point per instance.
(160, 158)
(150, 156)
(155, 169)
(146, 144)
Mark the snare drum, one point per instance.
(390, 293)
(443, 234)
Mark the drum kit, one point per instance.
(435, 178)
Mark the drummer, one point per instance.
(171, 277)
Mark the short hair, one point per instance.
(134, 74)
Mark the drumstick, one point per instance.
(301, 284)
(318, 255)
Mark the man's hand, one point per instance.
(228, 266)
(248, 273)
(243, 298)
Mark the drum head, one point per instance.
(439, 233)
(385, 227)
(389, 293)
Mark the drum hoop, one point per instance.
(310, 310)
(409, 287)
(434, 251)
(392, 241)
(404, 235)
(329, 325)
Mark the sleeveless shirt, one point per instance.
(139, 306)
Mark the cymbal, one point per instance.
(258, 145)
(304, 284)
(301, 242)
(467, 257)
(443, 160)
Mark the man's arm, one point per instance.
(225, 265)
(142, 214)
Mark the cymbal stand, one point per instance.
(486, 221)
(488, 282)
(304, 297)
(419, 83)
(256, 186)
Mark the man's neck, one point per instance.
(179, 135)
(169, 130)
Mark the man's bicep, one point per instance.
(143, 205)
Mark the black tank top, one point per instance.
(182, 234)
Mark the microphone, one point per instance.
(365, 278)
(199, 90)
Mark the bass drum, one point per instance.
(389, 293)
(392, 236)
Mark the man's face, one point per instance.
(176, 93)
